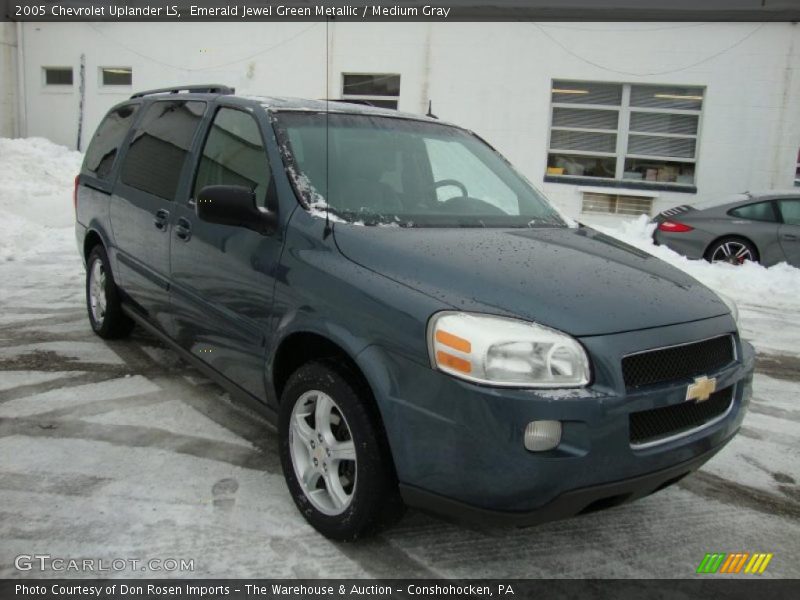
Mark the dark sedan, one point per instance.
(762, 228)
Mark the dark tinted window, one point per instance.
(371, 85)
(790, 210)
(105, 144)
(234, 154)
(160, 145)
(760, 211)
(58, 75)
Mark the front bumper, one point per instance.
(463, 443)
(569, 504)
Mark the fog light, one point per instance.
(542, 435)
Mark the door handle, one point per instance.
(160, 220)
(183, 229)
(790, 236)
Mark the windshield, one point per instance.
(384, 170)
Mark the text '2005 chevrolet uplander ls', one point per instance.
(420, 324)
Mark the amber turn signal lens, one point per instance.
(454, 362)
(455, 342)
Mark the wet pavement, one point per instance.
(120, 450)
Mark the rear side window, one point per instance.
(159, 147)
(760, 211)
(234, 155)
(104, 147)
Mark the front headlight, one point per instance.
(732, 306)
(505, 352)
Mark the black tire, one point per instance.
(716, 251)
(375, 503)
(113, 323)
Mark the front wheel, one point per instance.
(334, 455)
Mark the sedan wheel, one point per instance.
(735, 252)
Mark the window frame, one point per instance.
(113, 87)
(623, 132)
(270, 202)
(58, 88)
(371, 97)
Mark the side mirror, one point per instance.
(233, 205)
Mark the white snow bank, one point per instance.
(768, 298)
(36, 183)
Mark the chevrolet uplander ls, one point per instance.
(416, 319)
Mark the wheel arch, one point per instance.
(303, 346)
(90, 240)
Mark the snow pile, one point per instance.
(768, 298)
(36, 183)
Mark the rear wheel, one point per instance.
(334, 456)
(733, 250)
(102, 298)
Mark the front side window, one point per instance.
(790, 211)
(160, 145)
(234, 154)
(105, 144)
(626, 132)
(380, 170)
(760, 211)
(376, 89)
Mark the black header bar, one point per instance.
(400, 10)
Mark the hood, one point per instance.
(576, 280)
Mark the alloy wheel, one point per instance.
(97, 292)
(732, 252)
(323, 452)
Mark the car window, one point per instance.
(380, 170)
(234, 154)
(790, 210)
(760, 211)
(105, 144)
(160, 145)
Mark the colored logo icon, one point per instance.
(735, 563)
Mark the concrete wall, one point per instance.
(8, 80)
(494, 78)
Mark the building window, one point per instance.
(625, 132)
(116, 76)
(375, 89)
(616, 204)
(57, 75)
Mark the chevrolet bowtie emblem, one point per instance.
(701, 389)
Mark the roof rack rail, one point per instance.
(205, 88)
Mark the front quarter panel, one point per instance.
(320, 291)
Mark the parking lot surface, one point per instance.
(120, 450)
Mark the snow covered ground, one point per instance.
(118, 450)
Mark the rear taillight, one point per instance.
(75, 196)
(674, 227)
